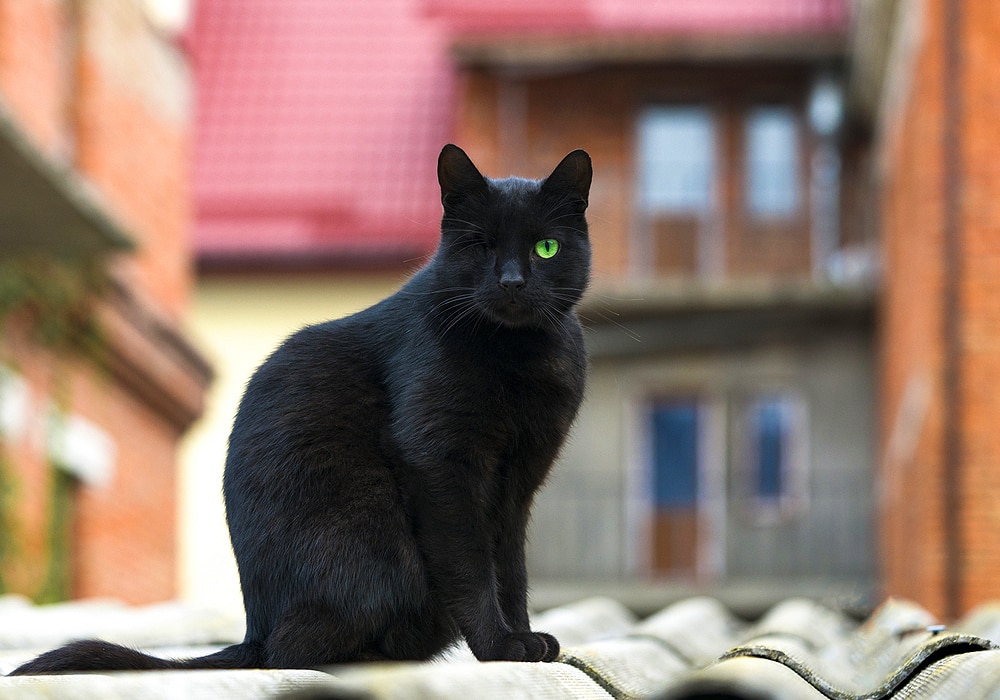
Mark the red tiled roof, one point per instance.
(319, 121)
(318, 127)
(654, 16)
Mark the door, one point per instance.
(675, 474)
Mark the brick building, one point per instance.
(931, 68)
(94, 144)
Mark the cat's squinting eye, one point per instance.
(546, 248)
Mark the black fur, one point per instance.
(381, 467)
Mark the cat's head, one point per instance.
(514, 250)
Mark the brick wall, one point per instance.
(132, 124)
(95, 88)
(980, 300)
(36, 83)
(940, 429)
(523, 125)
(912, 537)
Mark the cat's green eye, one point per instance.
(546, 248)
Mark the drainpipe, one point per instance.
(952, 389)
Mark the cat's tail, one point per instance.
(94, 655)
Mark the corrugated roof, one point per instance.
(318, 127)
(695, 648)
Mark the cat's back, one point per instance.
(360, 343)
(334, 363)
(318, 388)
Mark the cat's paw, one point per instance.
(551, 646)
(525, 646)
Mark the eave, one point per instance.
(46, 207)
(533, 51)
(638, 319)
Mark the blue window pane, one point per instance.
(675, 454)
(771, 425)
(772, 161)
(676, 159)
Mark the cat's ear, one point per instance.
(572, 177)
(457, 175)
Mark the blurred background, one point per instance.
(794, 325)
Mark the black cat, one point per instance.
(381, 467)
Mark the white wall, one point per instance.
(237, 320)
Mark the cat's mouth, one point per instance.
(513, 312)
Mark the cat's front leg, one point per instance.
(512, 576)
(457, 537)
(464, 576)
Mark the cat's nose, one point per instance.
(512, 284)
(511, 279)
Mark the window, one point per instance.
(775, 455)
(676, 159)
(771, 427)
(675, 454)
(678, 167)
(772, 162)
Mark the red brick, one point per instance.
(913, 530)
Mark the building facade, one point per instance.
(934, 143)
(727, 437)
(98, 380)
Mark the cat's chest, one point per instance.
(506, 393)
(519, 377)
(492, 396)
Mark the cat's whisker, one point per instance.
(433, 292)
(466, 232)
(574, 230)
(462, 314)
(471, 224)
(453, 309)
(566, 199)
(625, 329)
(564, 297)
(553, 317)
(467, 295)
(570, 215)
